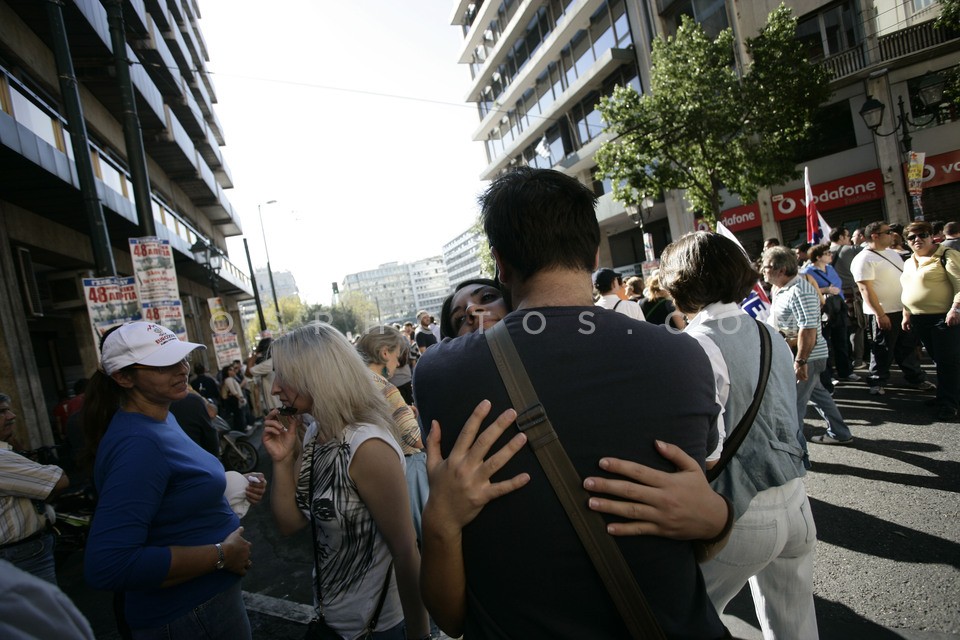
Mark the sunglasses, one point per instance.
(914, 236)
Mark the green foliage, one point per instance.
(950, 19)
(703, 126)
(487, 266)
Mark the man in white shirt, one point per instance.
(876, 271)
(613, 295)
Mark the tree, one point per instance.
(949, 20)
(291, 307)
(705, 126)
(487, 267)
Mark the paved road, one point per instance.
(887, 513)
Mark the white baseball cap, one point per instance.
(143, 343)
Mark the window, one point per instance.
(709, 14)
(32, 117)
(828, 32)
(832, 132)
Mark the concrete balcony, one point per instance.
(485, 15)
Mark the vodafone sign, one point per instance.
(741, 218)
(861, 187)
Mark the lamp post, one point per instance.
(930, 91)
(210, 258)
(273, 288)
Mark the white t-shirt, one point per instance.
(626, 307)
(354, 557)
(883, 270)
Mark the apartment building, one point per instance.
(57, 226)
(400, 289)
(461, 256)
(539, 67)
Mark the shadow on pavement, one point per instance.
(863, 533)
(946, 473)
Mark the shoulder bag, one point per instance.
(590, 527)
(318, 629)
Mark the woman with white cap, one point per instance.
(163, 533)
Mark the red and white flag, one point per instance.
(818, 230)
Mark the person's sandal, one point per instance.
(826, 439)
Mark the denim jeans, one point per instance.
(417, 488)
(771, 546)
(943, 344)
(811, 390)
(222, 617)
(893, 344)
(35, 556)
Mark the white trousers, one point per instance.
(772, 547)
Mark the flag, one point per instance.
(818, 230)
(757, 302)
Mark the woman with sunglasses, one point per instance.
(163, 533)
(931, 309)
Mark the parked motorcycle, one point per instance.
(236, 452)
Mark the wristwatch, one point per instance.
(800, 361)
(220, 561)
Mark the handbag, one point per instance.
(740, 432)
(590, 527)
(317, 628)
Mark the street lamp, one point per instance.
(930, 91)
(210, 258)
(273, 287)
(639, 213)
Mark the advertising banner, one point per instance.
(167, 313)
(741, 218)
(110, 302)
(220, 318)
(915, 173)
(154, 269)
(834, 194)
(227, 348)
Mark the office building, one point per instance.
(59, 223)
(399, 289)
(461, 256)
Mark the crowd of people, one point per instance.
(702, 496)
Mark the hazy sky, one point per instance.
(351, 115)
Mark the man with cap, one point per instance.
(424, 336)
(26, 517)
(609, 285)
(163, 533)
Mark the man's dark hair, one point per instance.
(803, 247)
(836, 233)
(937, 226)
(872, 228)
(951, 228)
(773, 242)
(918, 226)
(538, 219)
(701, 268)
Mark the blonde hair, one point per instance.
(654, 287)
(376, 339)
(319, 362)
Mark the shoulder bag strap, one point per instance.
(372, 625)
(590, 527)
(617, 304)
(898, 267)
(738, 435)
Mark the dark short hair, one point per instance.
(836, 233)
(773, 242)
(702, 267)
(538, 219)
(803, 246)
(604, 278)
(919, 226)
(817, 251)
(937, 226)
(783, 259)
(951, 228)
(446, 321)
(873, 227)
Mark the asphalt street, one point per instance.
(887, 514)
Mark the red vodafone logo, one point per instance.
(834, 194)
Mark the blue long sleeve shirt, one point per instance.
(157, 489)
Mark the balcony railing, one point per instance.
(900, 43)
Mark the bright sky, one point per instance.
(351, 116)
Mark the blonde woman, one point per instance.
(346, 482)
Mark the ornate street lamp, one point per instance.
(210, 258)
(638, 214)
(930, 91)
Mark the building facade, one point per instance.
(461, 256)
(538, 69)
(69, 201)
(398, 290)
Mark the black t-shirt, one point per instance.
(207, 387)
(424, 339)
(658, 310)
(191, 414)
(527, 574)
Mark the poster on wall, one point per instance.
(220, 318)
(227, 348)
(111, 301)
(154, 269)
(167, 313)
(915, 172)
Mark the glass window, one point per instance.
(832, 132)
(622, 29)
(582, 53)
(808, 34)
(32, 117)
